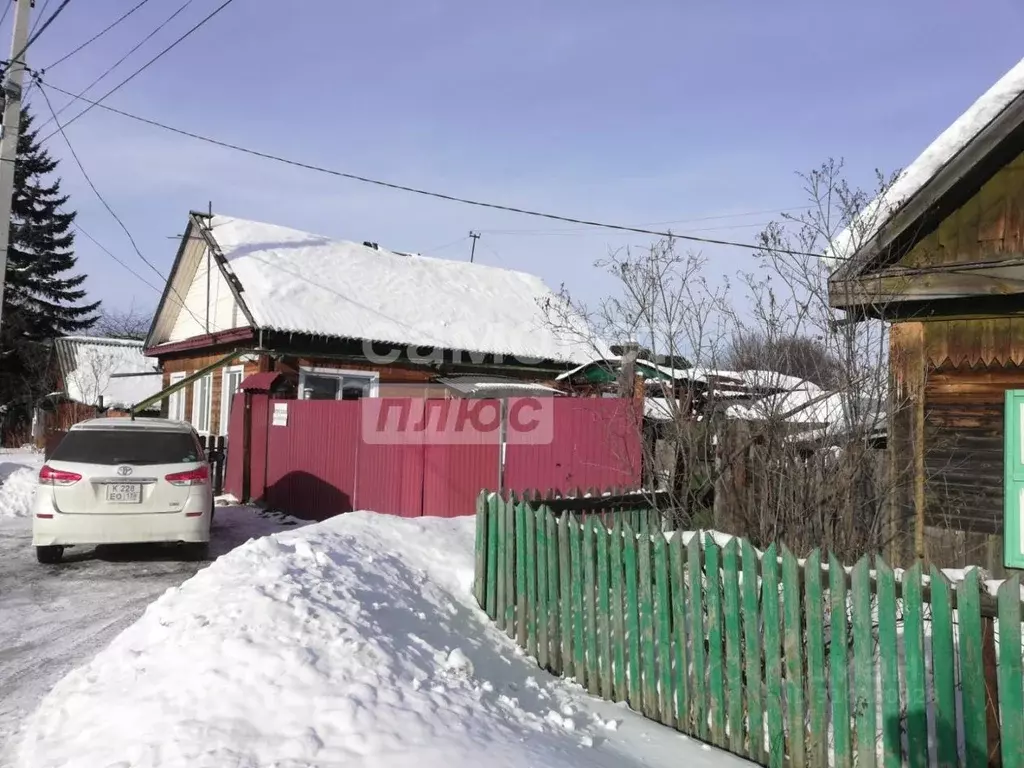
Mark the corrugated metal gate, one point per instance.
(321, 458)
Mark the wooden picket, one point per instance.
(781, 661)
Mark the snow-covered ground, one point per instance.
(53, 619)
(352, 642)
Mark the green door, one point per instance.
(1013, 490)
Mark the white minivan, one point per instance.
(121, 481)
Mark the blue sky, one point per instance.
(652, 111)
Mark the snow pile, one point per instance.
(297, 281)
(351, 642)
(939, 153)
(18, 492)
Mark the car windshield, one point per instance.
(122, 446)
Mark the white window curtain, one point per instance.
(202, 402)
(176, 401)
(231, 381)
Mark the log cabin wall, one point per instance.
(949, 382)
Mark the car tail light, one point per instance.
(200, 476)
(50, 476)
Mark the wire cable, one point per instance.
(39, 16)
(111, 211)
(35, 36)
(437, 195)
(95, 37)
(7, 10)
(112, 67)
(103, 248)
(145, 66)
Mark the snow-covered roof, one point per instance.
(473, 386)
(304, 283)
(92, 367)
(815, 407)
(919, 173)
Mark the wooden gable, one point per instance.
(975, 252)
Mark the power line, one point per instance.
(95, 37)
(111, 211)
(39, 16)
(103, 248)
(428, 193)
(113, 66)
(145, 66)
(7, 10)
(47, 23)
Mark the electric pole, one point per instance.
(472, 252)
(13, 78)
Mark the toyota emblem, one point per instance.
(124, 471)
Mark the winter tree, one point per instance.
(43, 297)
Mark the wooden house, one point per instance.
(940, 257)
(344, 320)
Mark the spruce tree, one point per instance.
(43, 297)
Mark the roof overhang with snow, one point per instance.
(113, 372)
(291, 283)
(947, 174)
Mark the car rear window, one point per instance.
(122, 446)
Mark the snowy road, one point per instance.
(53, 619)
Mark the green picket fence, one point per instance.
(781, 661)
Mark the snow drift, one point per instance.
(17, 493)
(354, 642)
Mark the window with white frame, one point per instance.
(230, 383)
(202, 400)
(176, 400)
(335, 384)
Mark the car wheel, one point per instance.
(50, 555)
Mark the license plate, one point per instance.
(124, 493)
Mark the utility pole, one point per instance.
(13, 78)
(472, 253)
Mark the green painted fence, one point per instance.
(782, 661)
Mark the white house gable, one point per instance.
(210, 306)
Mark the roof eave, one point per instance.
(941, 183)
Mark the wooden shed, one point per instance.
(940, 256)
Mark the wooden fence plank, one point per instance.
(541, 559)
(647, 665)
(681, 656)
(839, 663)
(493, 540)
(971, 664)
(508, 540)
(604, 614)
(773, 656)
(663, 614)
(754, 658)
(521, 596)
(889, 662)
(698, 639)
(733, 646)
(917, 691)
(565, 596)
(866, 709)
(554, 635)
(530, 534)
(1011, 675)
(817, 680)
(480, 551)
(943, 671)
(621, 692)
(502, 588)
(579, 649)
(589, 556)
(716, 650)
(632, 609)
(793, 647)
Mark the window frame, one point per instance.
(176, 400)
(340, 374)
(196, 410)
(227, 398)
(1013, 483)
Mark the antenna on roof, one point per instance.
(472, 252)
(368, 244)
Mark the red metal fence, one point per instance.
(316, 461)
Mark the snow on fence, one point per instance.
(779, 660)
